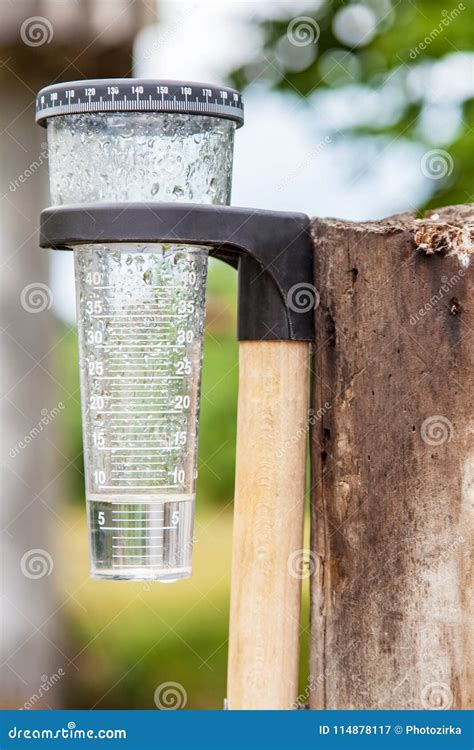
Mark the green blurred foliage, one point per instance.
(409, 37)
(220, 376)
(66, 362)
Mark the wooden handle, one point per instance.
(272, 429)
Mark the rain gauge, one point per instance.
(140, 175)
(140, 306)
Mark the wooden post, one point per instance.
(393, 464)
(268, 525)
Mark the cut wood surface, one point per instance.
(267, 542)
(393, 464)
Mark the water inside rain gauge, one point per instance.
(140, 319)
(140, 307)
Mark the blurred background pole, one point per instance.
(40, 42)
(268, 525)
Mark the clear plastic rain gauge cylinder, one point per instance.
(140, 307)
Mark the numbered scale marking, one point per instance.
(135, 95)
(141, 344)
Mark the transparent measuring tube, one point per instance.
(140, 317)
(140, 156)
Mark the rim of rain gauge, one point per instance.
(139, 95)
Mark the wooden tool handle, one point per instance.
(272, 432)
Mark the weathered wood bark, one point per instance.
(393, 463)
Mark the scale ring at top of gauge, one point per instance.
(139, 95)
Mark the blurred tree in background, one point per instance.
(405, 68)
(371, 72)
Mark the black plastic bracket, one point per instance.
(272, 251)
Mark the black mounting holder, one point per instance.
(272, 251)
